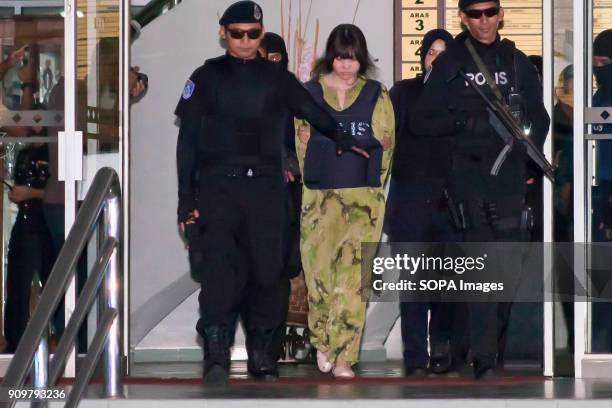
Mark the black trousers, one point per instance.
(242, 225)
(30, 252)
(488, 320)
(414, 214)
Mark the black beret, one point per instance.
(463, 4)
(602, 46)
(242, 12)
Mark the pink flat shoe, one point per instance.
(323, 363)
(343, 370)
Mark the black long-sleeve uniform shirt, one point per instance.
(235, 111)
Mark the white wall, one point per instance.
(168, 50)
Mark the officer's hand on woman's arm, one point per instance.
(302, 104)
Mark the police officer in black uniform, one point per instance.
(492, 206)
(30, 250)
(233, 115)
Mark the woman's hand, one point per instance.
(304, 134)
(386, 141)
(17, 55)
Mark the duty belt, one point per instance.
(242, 171)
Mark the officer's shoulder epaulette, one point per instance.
(507, 50)
(214, 63)
(215, 60)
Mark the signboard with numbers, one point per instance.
(418, 17)
(522, 24)
(602, 17)
(418, 22)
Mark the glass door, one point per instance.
(32, 208)
(592, 136)
(62, 116)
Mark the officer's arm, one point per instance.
(534, 103)
(189, 110)
(431, 115)
(186, 165)
(302, 104)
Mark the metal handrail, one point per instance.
(102, 206)
(151, 11)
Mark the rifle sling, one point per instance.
(481, 66)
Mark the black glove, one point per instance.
(186, 205)
(345, 141)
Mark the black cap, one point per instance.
(430, 38)
(463, 4)
(602, 46)
(242, 12)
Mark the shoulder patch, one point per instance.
(188, 90)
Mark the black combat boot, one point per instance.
(262, 351)
(440, 360)
(216, 356)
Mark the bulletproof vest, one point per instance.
(501, 67)
(323, 167)
(244, 115)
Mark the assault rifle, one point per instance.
(511, 132)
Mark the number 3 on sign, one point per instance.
(420, 25)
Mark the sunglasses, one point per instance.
(238, 34)
(476, 14)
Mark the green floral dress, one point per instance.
(334, 223)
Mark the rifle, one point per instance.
(506, 127)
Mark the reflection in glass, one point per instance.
(563, 215)
(31, 105)
(601, 312)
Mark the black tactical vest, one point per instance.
(323, 167)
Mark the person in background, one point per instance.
(416, 212)
(30, 249)
(602, 193)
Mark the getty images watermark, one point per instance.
(486, 272)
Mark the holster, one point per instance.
(457, 212)
(196, 256)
